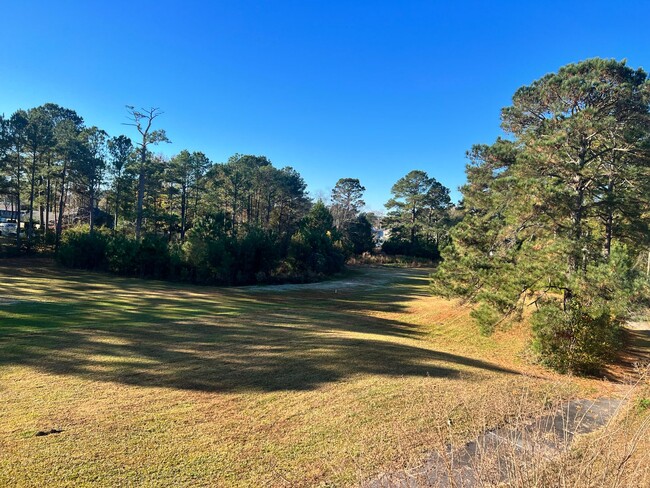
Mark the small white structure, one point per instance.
(380, 235)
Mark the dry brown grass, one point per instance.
(581, 443)
(155, 384)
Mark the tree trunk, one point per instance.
(140, 203)
(170, 211)
(30, 230)
(48, 192)
(183, 209)
(268, 210)
(117, 203)
(609, 225)
(92, 208)
(41, 207)
(413, 227)
(609, 218)
(234, 211)
(59, 223)
(18, 236)
(54, 208)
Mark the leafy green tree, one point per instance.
(39, 138)
(407, 203)
(120, 149)
(416, 214)
(196, 192)
(584, 130)
(252, 192)
(53, 158)
(359, 235)
(291, 201)
(187, 170)
(89, 167)
(15, 143)
(142, 120)
(71, 151)
(543, 213)
(347, 201)
(314, 246)
(5, 183)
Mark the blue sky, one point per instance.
(367, 90)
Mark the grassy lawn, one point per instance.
(158, 384)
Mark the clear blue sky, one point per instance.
(367, 90)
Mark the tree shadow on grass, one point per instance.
(139, 333)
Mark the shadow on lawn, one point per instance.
(215, 340)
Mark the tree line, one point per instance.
(192, 218)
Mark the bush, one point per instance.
(586, 334)
(257, 256)
(122, 255)
(315, 247)
(486, 317)
(574, 340)
(358, 236)
(212, 253)
(396, 246)
(81, 249)
(208, 250)
(153, 258)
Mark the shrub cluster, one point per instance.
(212, 253)
(584, 333)
(403, 247)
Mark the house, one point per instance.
(380, 235)
(10, 215)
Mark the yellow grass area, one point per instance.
(159, 384)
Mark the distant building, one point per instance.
(7, 215)
(380, 235)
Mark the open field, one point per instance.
(158, 384)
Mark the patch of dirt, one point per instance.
(42, 433)
(638, 325)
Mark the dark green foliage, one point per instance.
(347, 201)
(358, 236)
(554, 216)
(354, 228)
(81, 249)
(314, 247)
(212, 252)
(574, 340)
(249, 191)
(418, 216)
(257, 256)
(487, 317)
(208, 249)
(396, 246)
(215, 255)
(123, 254)
(153, 257)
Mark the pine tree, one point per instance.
(548, 214)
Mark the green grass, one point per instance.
(158, 384)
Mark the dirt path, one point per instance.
(636, 353)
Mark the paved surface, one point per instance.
(496, 454)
